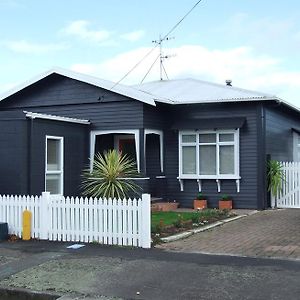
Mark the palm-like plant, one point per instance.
(111, 176)
(275, 177)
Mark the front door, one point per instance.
(127, 146)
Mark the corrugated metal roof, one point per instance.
(121, 89)
(188, 91)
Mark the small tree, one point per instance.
(110, 177)
(275, 177)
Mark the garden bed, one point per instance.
(164, 224)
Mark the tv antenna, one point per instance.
(162, 57)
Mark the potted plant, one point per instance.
(225, 202)
(200, 202)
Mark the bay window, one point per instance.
(209, 154)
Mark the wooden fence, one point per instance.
(107, 221)
(289, 196)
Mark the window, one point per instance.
(208, 155)
(296, 141)
(54, 165)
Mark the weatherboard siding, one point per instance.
(247, 198)
(279, 136)
(75, 154)
(13, 153)
(59, 90)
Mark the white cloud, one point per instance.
(80, 29)
(242, 65)
(26, 47)
(133, 36)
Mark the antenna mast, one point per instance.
(162, 57)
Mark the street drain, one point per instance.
(22, 294)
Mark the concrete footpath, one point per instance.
(99, 272)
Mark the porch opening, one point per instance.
(126, 141)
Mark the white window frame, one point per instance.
(235, 143)
(61, 153)
(296, 146)
(161, 145)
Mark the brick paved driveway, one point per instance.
(270, 233)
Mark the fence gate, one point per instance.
(289, 197)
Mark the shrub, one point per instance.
(275, 177)
(226, 197)
(200, 196)
(109, 177)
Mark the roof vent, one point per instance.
(228, 82)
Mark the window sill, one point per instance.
(216, 178)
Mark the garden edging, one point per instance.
(190, 232)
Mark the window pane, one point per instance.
(207, 160)
(53, 155)
(207, 138)
(226, 159)
(53, 183)
(189, 138)
(188, 160)
(226, 137)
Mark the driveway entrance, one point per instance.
(269, 233)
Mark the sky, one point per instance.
(254, 43)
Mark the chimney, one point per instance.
(228, 82)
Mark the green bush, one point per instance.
(109, 177)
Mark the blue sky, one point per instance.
(254, 43)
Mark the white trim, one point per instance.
(61, 154)
(105, 84)
(296, 146)
(214, 177)
(199, 185)
(128, 178)
(161, 145)
(135, 132)
(218, 185)
(33, 115)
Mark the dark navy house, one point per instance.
(186, 136)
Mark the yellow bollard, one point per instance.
(26, 225)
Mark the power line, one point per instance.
(149, 52)
(158, 56)
(178, 23)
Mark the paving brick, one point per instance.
(271, 233)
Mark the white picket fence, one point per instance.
(289, 197)
(107, 221)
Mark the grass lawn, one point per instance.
(171, 222)
(168, 218)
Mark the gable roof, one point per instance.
(121, 89)
(189, 91)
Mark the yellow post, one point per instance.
(26, 225)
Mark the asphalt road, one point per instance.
(146, 274)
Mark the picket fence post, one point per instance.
(146, 221)
(45, 221)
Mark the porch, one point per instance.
(144, 146)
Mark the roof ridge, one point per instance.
(211, 84)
